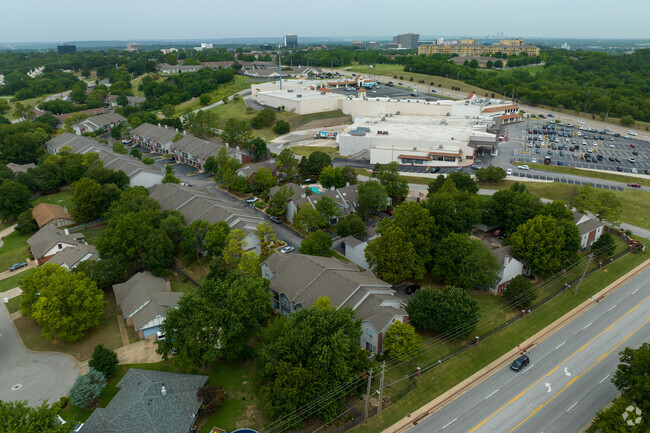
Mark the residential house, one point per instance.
(509, 268)
(90, 112)
(75, 143)
(132, 100)
(102, 123)
(345, 198)
(157, 139)
(51, 215)
(139, 174)
(355, 249)
(71, 257)
(144, 300)
(590, 229)
(48, 241)
(149, 401)
(198, 205)
(249, 170)
(298, 280)
(20, 168)
(194, 151)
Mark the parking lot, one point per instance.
(589, 149)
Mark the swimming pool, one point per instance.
(315, 189)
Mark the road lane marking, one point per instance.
(558, 366)
(603, 379)
(491, 394)
(612, 307)
(635, 291)
(580, 375)
(587, 326)
(560, 345)
(572, 406)
(450, 423)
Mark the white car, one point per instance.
(611, 145)
(287, 249)
(523, 167)
(633, 170)
(509, 172)
(632, 133)
(581, 122)
(534, 160)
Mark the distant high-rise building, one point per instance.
(291, 41)
(408, 40)
(372, 45)
(65, 48)
(440, 41)
(357, 44)
(133, 46)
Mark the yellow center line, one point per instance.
(558, 366)
(578, 376)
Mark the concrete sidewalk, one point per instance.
(469, 383)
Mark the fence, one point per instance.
(83, 226)
(180, 270)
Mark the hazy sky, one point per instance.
(67, 20)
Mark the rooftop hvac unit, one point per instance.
(415, 148)
(298, 96)
(290, 90)
(440, 146)
(397, 113)
(383, 119)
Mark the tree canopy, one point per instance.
(450, 311)
(464, 262)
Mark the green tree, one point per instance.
(314, 164)
(236, 132)
(317, 243)
(258, 149)
(205, 99)
(490, 174)
(454, 211)
(88, 200)
(104, 273)
(288, 163)
(215, 238)
(281, 127)
(351, 224)
(26, 224)
(125, 236)
(397, 187)
(308, 218)
(249, 264)
(539, 242)
(103, 360)
(372, 198)
(278, 201)
(157, 252)
(512, 207)
(303, 347)
(235, 244)
(520, 292)
(119, 148)
(264, 119)
(16, 416)
(132, 200)
(627, 120)
(87, 388)
(331, 176)
(194, 237)
(135, 153)
(202, 123)
(263, 180)
(462, 182)
(418, 226)
(168, 110)
(64, 304)
(393, 258)
(266, 236)
(402, 342)
(603, 247)
(349, 175)
(464, 262)
(604, 204)
(328, 207)
(450, 311)
(14, 198)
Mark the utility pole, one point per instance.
(365, 417)
(575, 292)
(280, 64)
(381, 387)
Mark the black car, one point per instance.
(520, 363)
(435, 170)
(17, 266)
(618, 168)
(611, 158)
(276, 220)
(634, 152)
(410, 289)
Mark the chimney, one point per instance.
(163, 390)
(303, 195)
(67, 232)
(236, 147)
(169, 286)
(332, 188)
(159, 125)
(65, 209)
(176, 129)
(347, 183)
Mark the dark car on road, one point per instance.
(17, 266)
(412, 288)
(276, 220)
(520, 363)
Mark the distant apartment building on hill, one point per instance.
(469, 47)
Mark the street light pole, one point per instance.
(280, 64)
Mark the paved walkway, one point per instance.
(30, 264)
(123, 334)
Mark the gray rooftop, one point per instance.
(140, 406)
(77, 143)
(20, 168)
(102, 120)
(48, 237)
(154, 133)
(71, 256)
(296, 189)
(197, 147)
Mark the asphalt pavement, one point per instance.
(568, 378)
(31, 376)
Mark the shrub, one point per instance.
(103, 360)
(87, 388)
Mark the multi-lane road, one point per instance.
(568, 378)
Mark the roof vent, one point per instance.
(163, 390)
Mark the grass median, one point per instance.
(446, 375)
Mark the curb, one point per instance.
(469, 383)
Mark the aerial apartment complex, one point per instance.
(469, 47)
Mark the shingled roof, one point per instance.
(43, 213)
(142, 406)
(48, 237)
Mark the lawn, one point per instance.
(14, 304)
(222, 91)
(13, 250)
(107, 333)
(14, 280)
(61, 198)
(180, 283)
(589, 173)
(91, 233)
(444, 376)
(32, 101)
(333, 152)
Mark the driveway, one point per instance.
(31, 376)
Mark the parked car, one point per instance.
(276, 220)
(186, 184)
(412, 288)
(523, 167)
(287, 249)
(520, 363)
(475, 166)
(619, 169)
(126, 141)
(509, 172)
(634, 185)
(632, 160)
(17, 266)
(251, 200)
(632, 146)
